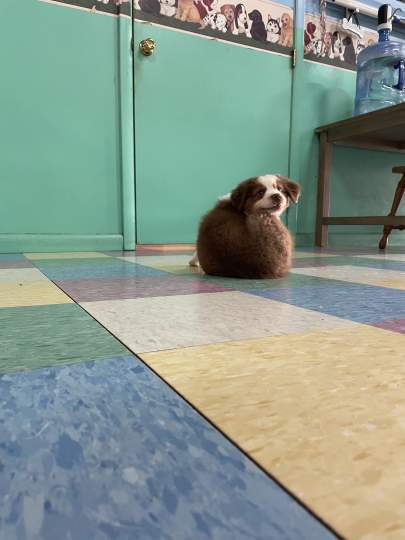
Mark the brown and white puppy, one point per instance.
(229, 11)
(242, 236)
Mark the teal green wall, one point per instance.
(362, 182)
(244, 135)
(59, 130)
(208, 114)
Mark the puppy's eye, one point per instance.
(261, 193)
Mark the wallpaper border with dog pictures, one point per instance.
(253, 23)
(339, 48)
(106, 7)
(258, 24)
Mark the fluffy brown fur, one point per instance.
(239, 239)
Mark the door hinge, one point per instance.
(293, 58)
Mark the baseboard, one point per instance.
(361, 240)
(304, 240)
(54, 243)
(165, 247)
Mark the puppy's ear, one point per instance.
(238, 198)
(292, 189)
(240, 194)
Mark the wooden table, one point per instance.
(382, 130)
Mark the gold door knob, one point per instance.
(147, 46)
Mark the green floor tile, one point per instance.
(42, 336)
(74, 261)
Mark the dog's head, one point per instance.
(311, 29)
(347, 41)
(286, 21)
(271, 193)
(255, 16)
(273, 25)
(241, 14)
(229, 11)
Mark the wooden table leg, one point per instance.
(395, 204)
(324, 174)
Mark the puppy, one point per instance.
(317, 47)
(327, 45)
(229, 11)
(273, 29)
(349, 54)
(168, 7)
(241, 21)
(219, 22)
(258, 30)
(309, 37)
(286, 36)
(243, 236)
(207, 9)
(337, 46)
(187, 12)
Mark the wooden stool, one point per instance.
(395, 204)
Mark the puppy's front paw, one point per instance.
(194, 262)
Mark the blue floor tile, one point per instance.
(15, 263)
(106, 451)
(9, 257)
(382, 264)
(113, 269)
(356, 302)
(316, 262)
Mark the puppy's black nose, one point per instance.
(276, 198)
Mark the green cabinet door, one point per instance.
(207, 115)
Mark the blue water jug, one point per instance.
(381, 69)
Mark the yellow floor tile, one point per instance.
(323, 411)
(391, 284)
(178, 269)
(166, 247)
(34, 293)
(70, 255)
